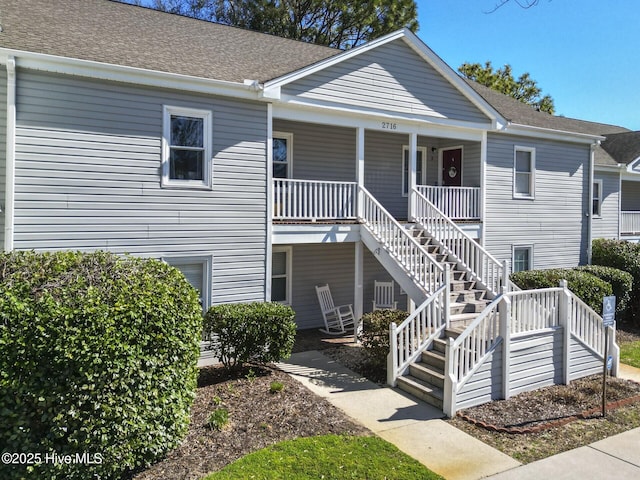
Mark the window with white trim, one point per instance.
(282, 154)
(596, 204)
(186, 147)
(197, 270)
(522, 258)
(281, 275)
(421, 170)
(524, 172)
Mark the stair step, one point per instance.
(474, 306)
(434, 359)
(460, 285)
(462, 296)
(427, 373)
(462, 319)
(422, 390)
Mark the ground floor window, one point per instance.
(522, 258)
(596, 209)
(281, 275)
(197, 271)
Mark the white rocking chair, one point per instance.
(383, 295)
(336, 319)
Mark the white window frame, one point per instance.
(207, 273)
(513, 256)
(532, 174)
(206, 116)
(597, 214)
(288, 251)
(419, 181)
(288, 136)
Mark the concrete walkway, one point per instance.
(419, 430)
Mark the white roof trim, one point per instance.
(413, 42)
(134, 75)
(632, 164)
(540, 132)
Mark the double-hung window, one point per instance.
(524, 172)
(186, 148)
(596, 208)
(281, 275)
(522, 258)
(421, 157)
(198, 272)
(282, 148)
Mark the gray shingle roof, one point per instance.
(111, 32)
(624, 147)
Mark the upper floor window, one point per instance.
(421, 171)
(524, 172)
(186, 147)
(282, 152)
(596, 208)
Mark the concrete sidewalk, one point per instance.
(418, 429)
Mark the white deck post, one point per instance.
(614, 351)
(358, 297)
(505, 333)
(392, 357)
(450, 383)
(413, 162)
(359, 169)
(564, 321)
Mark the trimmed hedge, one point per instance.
(259, 332)
(624, 256)
(621, 283)
(589, 288)
(99, 356)
(375, 334)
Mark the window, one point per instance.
(522, 258)
(282, 148)
(197, 271)
(524, 172)
(596, 208)
(421, 171)
(281, 275)
(186, 148)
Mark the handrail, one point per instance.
(485, 268)
(535, 309)
(586, 324)
(313, 199)
(417, 332)
(427, 272)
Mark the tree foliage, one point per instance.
(338, 23)
(502, 80)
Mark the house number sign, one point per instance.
(389, 126)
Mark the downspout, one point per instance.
(10, 159)
(590, 201)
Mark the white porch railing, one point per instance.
(313, 199)
(400, 243)
(459, 203)
(629, 222)
(515, 313)
(408, 340)
(472, 257)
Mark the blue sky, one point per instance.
(584, 53)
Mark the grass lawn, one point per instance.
(328, 457)
(630, 353)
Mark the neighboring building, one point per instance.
(616, 197)
(262, 167)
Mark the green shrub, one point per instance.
(375, 334)
(276, 387)
(250, 332)
(218, 419)
(99, 356)
(621, 283)
(589, 288)
(624, 256)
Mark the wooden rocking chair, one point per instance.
(337, 320)
(383, 295)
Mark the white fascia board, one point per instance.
(315, 233)
(630, 167)
(134, 75)
(339, 57)
(609, 168)
(550, 134)
(349, 117)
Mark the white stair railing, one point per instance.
(313, 199)
(461, 203)
(400, 243)
(482, 266)
(409, 339)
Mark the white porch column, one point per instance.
(483, 183)
(413, 165)
(359, 167)
(358, 297)
(269, 219)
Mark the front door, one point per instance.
(452, 167)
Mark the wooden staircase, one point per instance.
(425, 377)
